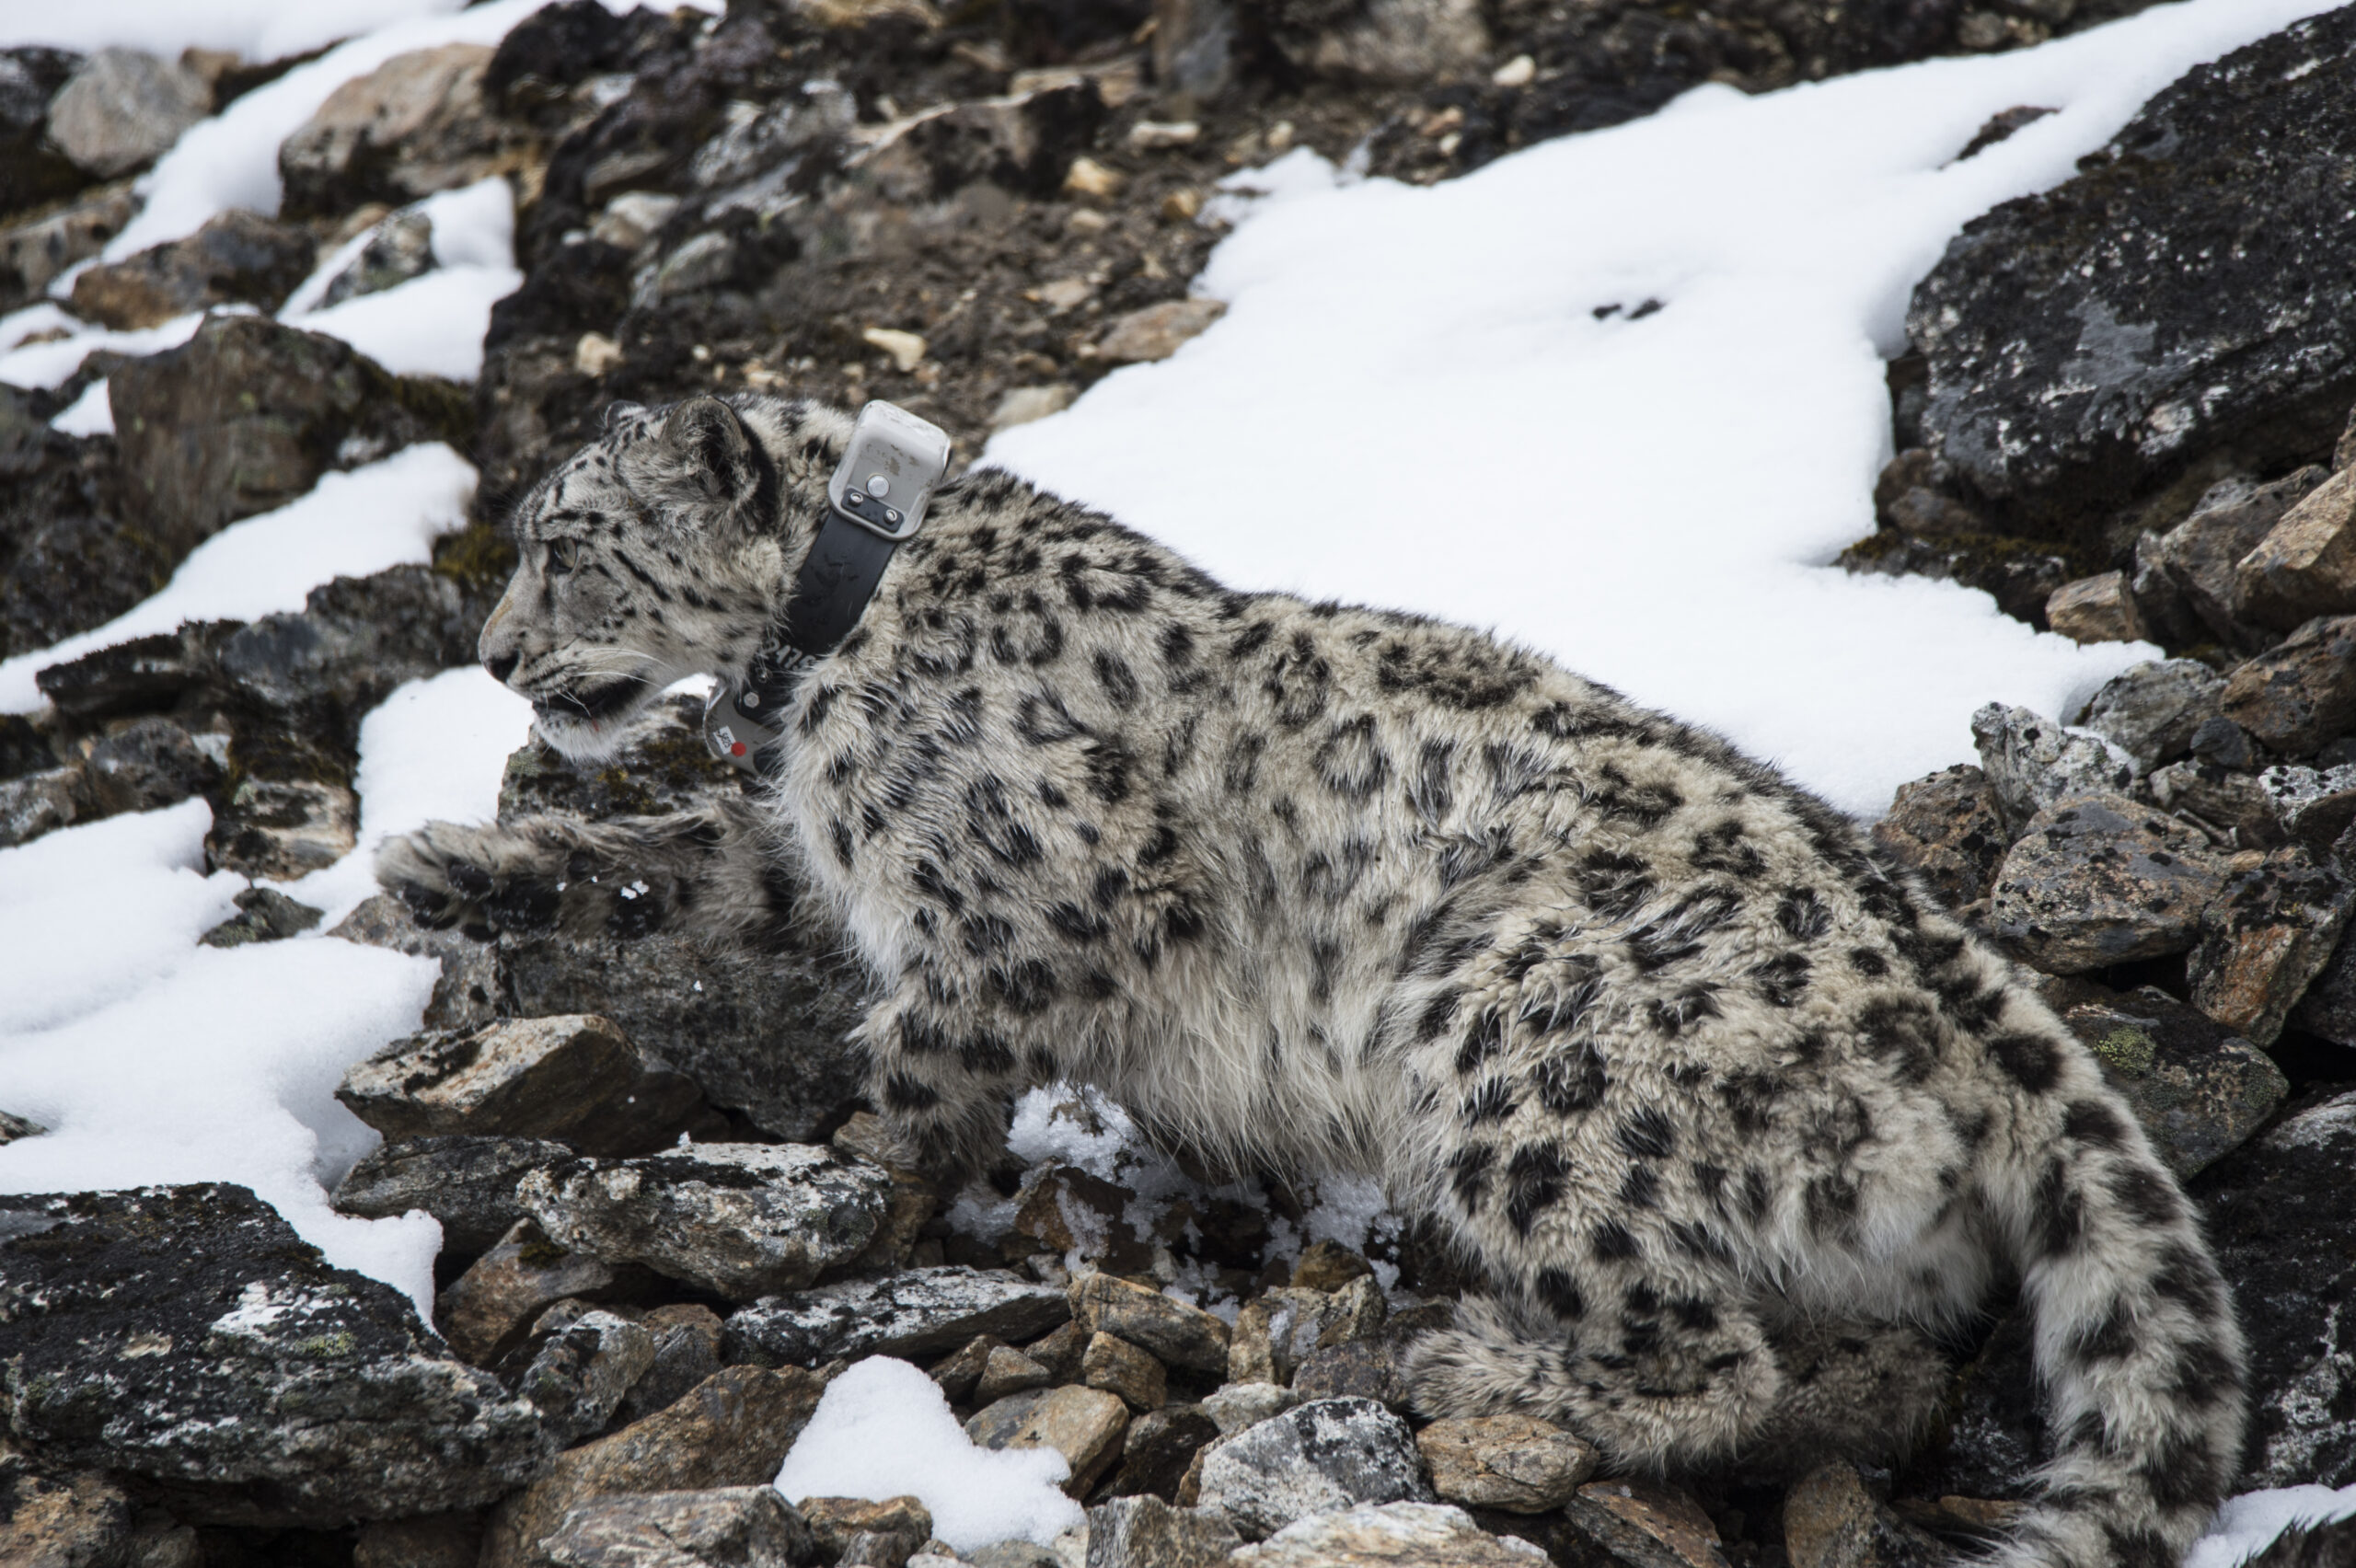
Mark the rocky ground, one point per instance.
(668, 1223)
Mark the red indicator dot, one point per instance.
(736, 750)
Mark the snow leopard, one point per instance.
(1728, 1117)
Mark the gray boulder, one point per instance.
(237, 258)
(729, 1527)
(2278, 1215)
(122, 108)
(2031, 762)
(467, 1183)
(185, 1336)
(740, 1220)
(1316, 1459)
(578, 1368)
(31, 168)
(914, 1313)
(2090, 342)
(2149, 710)
(2198, 1089)
(2100, 880)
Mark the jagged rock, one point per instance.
(737, 1220)
(1430, 1535)
(2235, 808)
(1119, 1368)
(916, 1313)
(1181, 1335)
(32, 169)
(1159, 1447)
(237, 258)
(2314, 807)
(1643, 1525)
(2305, 566)
(122, 108)
(488, 1309)
(58, 1521)
(68, 559)
(398, 248)
(731, 1430)
(1368, 1368)
(1006, 1370)
(2278, 1214)
(1280, 1329)
(13, 1128)
(326, 667)
(2270, 931)
(1157, 332)
(765, 1033)
(1060, 1352)
(1831, 1521)
(2198, 1089)
(1146, 1532)
(186, 1336)
(2296, 696)
(264, 915)
(853, 1529)
(415, 125)
(283, 828)
(1328, 1265)
(467, 1183)
(731, 1526)
(38, 804)
(1085, 1425)
(1514, 1462)
(687, 1351)
(149, 763)
(1065, 1209)
(2100, 608)
(34, 251)
(2202, 554)
(2031, 762)
(580, 1369)
(1237, 1405)
(247, 414)
(2221, 742)
(467, 994)
(1323, 1455)
(577, 1079)
(991, 1426)
(2090, 341)
(2150, 711)
(961, 1374)
(2099, 879)
(141, 675)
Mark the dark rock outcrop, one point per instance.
(184, 1336)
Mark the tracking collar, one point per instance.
(875, 503)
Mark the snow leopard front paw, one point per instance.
(481, 880)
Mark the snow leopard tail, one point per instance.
(2136, 1345)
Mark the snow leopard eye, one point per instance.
(563, 556)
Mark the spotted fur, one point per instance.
(1727, 1112)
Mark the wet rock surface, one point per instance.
(183, 1335)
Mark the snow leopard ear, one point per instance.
(710, 466)
(618, 414)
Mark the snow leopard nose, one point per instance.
(501, 666)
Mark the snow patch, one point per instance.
(2247, 1525)
(883, 1429)
(90, 414)
(433, 324)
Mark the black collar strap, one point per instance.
(875, 503)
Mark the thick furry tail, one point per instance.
(2135, 1340)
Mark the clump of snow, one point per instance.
(386, 514)
(156, 1060)
(1424, 398)
(433, 324)
(231, 161)
(883, 1429)
(435, 749)
(2247, 1525)
(90, 414)
(48, 364)
(257, 29)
